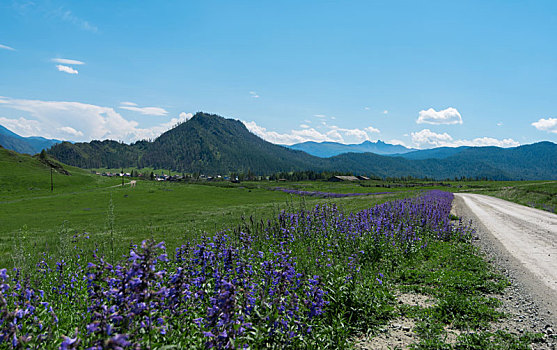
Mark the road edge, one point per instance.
(523, 282)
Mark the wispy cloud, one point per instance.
(254, 94)
(67, 61)
(157, 111)
(24, 127)
(70, 131)
(66, 69)
(397, 142)
(50, 9)
(295, 136)
(427, 139)
(385, 112)
(68, 16)
(326, 132)
(549, 125)
(78, 121)
(445, 116)
(371, 129)
(500, 124)
(5, 47)
(367, 108)
(185, 116)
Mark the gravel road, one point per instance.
(522, 241)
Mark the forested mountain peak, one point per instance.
(210, 144)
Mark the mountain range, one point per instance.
(20, 144)
(330, 149)
(211, 144)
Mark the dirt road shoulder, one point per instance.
(532, 303)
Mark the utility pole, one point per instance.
(51, 181)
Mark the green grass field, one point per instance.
(34, 220)
(85, 202)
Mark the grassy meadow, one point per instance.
(98, 205)
(174, 211)
(311, 277)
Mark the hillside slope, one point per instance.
(205, 143)
(22, 174)
(433, 153)
(214, 145)
(20, 144)
(209, 143)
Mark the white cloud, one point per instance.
(320, 115)
(446, 116)
(5, 47)
(304, 126)
(487, 141)
(396, 142)
(367, 108)
(385, 112)
(330, 133)
(67, 61)
(427, 138)
(66, 69)
(295, 136)
(185, 116)
(22, 126)
(70, 131)
(371, 129)
(157, 130)
(500, 124)
(128, 104)
(549, 125)
(355, 134)
(254, 94)
(145, 110)
(57, 119)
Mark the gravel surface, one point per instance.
(522, 243)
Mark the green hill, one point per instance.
(214, 145)
(21, 174)
(206, 143)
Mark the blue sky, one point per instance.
(419, 73)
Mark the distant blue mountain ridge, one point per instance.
(433, 153)
(210, 144)
(331, 149)
(30, 145)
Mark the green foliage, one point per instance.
(209, 144)
(451, 272)
(497, 340)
